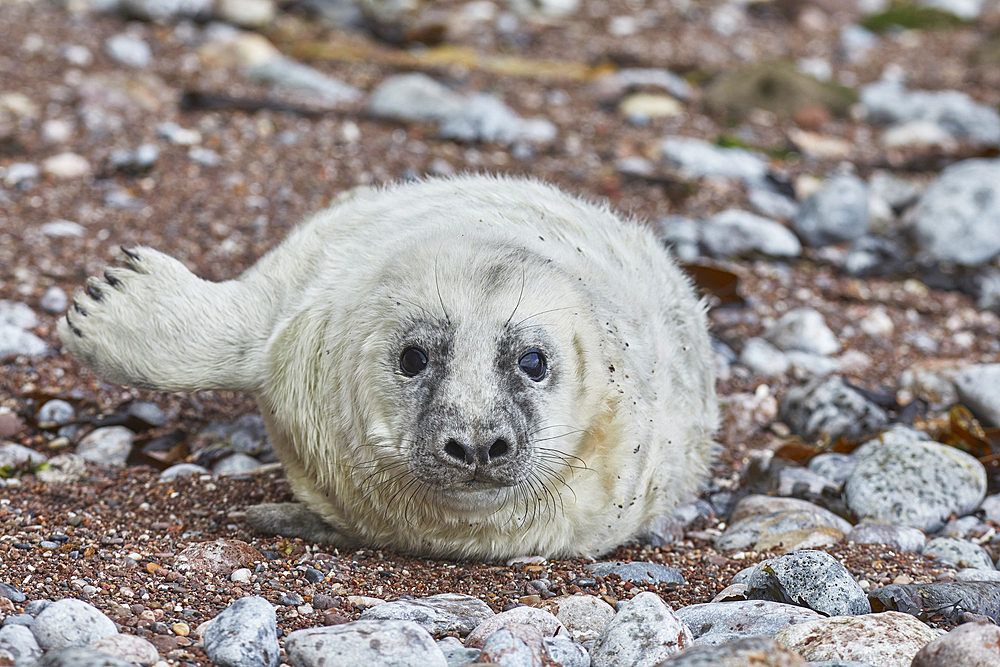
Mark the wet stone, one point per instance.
(807, 578)
(244, 635)
(720, 622)
(438, 614)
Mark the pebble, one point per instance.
(979, 390)
(129, 648)
(247, 13)
(837, 213)
(956, 218)
(11, 593)
(682, 234)
(220, 557)
(241, 575)
(54, 301)
(714, 623)
(110, 445)
(958, 552)
(903, 479)
(616, 84)
(486, 118)
(637, 572)
(763, 358)
(79, 656)
(736, 233)
(15, 341)
(968, 645)
(833, 466)
(888, 101)
(129, 50)
(793, 480)
(772, 204)
(803, 329)
(991, 507)
(973, 574)
(438, 614)
(161, 10)
(414, 97)
(387, 643)
(133, 162)
(903, 538)
(63, 469)
(830, 410)
(71, 622)
(21, 173)
(696, 158)
(643, 633)
(66, 165)
(540, 619)
(287, 73)
(63, 229)
(20, 643)
(244, 635)
(766, 519)
(178, 135)
(14, 455)
(55, 413)
(808, 578)
(17, 315)
(887, 639)
(584, 616)
(237, 463)
(183, 469)
(640, 108)
(756, 651)
(566, 652)
(56, 131)
(516, 646)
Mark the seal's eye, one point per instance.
(412, 361)
(532, 363)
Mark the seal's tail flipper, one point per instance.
(152, 323)
(295, 520)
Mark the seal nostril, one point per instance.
(500, 447)
(459, 452)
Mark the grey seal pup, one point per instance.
(473, 367)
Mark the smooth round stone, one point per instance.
(55, 412)
(438, 614)
(414, 97)
(763, 358)
(14, 455)
(79, 656)
(979, 389)
(697, 158)
(54, 300)
(888, 639)
(110, 445)
(756, 651)
(366, 642)
(244, 635)
(585, 616)
(18, 640)
(736, 233)
(14, 341)
(289, 73)
(803, 329)
(807, 578)
(975, 574)
(237, 463)
(968, 645)
(71, 622)
(66, 165)
(915, 483)
(129, 648)
(835, 214)
(903, 538)
(834, 467)
(714, 623)
(540, 619)
(642, 634)
(765, 519)
(637, 572)
(129, 50)
(183, 469)
(517, 645)
(957, 552)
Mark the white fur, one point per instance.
(310, 330)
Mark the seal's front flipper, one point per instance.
(295, 520)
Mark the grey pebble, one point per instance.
(19, 641)
(643, 633)
(364, 642)
(719, 622)
(21, 173)
(110, 445)
(979, 386)
(757, 651)
(682, 234)
(17, 315)
(244, 635)
(63, 469)
(638, 572)
(696, 158)
(287, 73)
(902, 479)
(135, 161)
(973, 574)
(55, 413)
(517, 646)
(54, 300)
(772, 204)
(957, 552)
(160, 10)
(18, 619)
(808, 578)
(35, 607)
(903, 538)
(14, 455)
(79, 656)
(236, 463)
(763, 358)
(566, 652)
(71, 622)
(968, 645)
(793, 480)
(990, 507)
(757, 518)
(736, 233)
(458, 656)
(15, 341)
(63, 229)
(829, 409)
(873, 256)
(836, 213)
(438, 614)
(414, 97)
(486, 118)
(182, 469)
(803, 329)
(958, 217)
(129, 50)
(833, 466)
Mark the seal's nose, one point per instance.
(463, 453)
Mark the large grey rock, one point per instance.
(414, 97)
(719, 622)
(584, 616)
(968, 645)
(78, 656)
(901, 480)
(756, 651)
(438, 614)
(960, 553)
(888, 101)
(958, 217)
(642, 634)
(19, 641)
(364, 642)
(803, 329)
(835, 214)
(830, 410)
(736, 233)
(807, 578)
(566, 652)
(979, 389)
(888, 639)
(903, 538)
(757, 519)
(245, 634)
(70, 622)
(696, 158)
(517, 646)
(110, 445)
